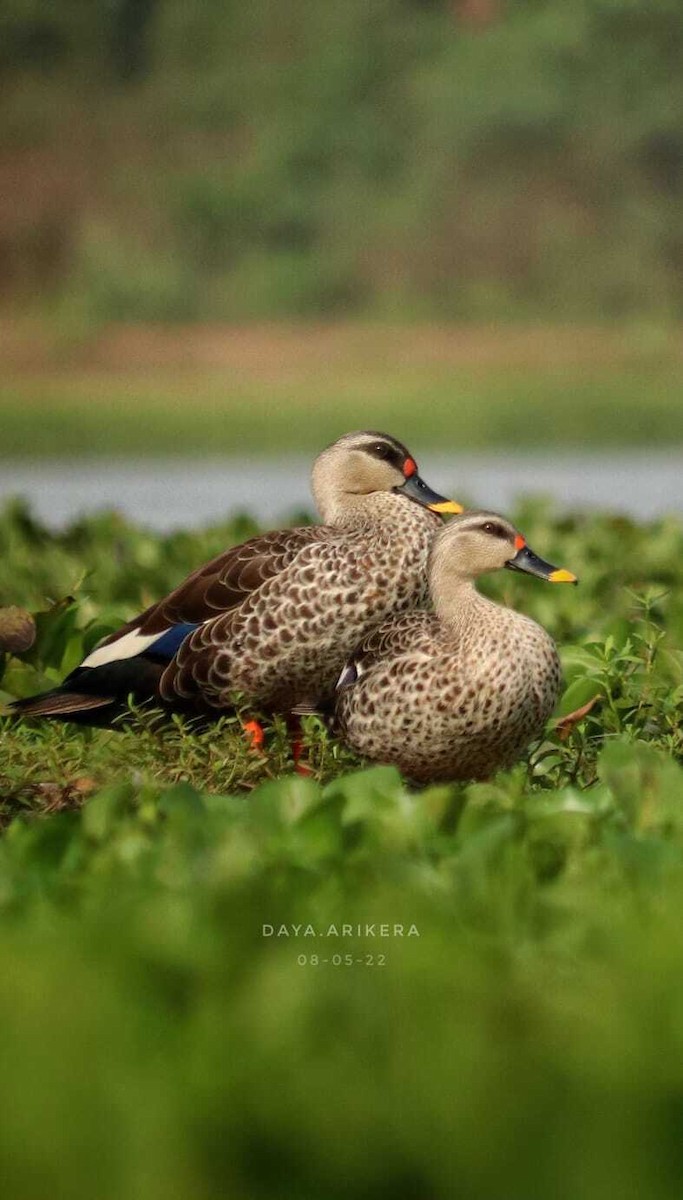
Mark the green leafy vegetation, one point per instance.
(160, 1032)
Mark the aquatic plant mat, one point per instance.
(220, 978)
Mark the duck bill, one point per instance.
(416, 489)
(530, 564)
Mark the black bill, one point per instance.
(525, 560)
(417, 489)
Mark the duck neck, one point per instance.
(457, 602)
(380, 509)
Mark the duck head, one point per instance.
(359, 464)
(478, 542)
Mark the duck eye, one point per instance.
(381, 450)
(493, 529)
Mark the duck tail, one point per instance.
(95, 695)
(62, 705)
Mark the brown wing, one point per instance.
(412, 632)
(225, 582)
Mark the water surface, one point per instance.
(167, 494)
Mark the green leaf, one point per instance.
(579, 692)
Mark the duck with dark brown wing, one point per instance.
(274, 619)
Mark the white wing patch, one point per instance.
(124, 647)
(351, 673)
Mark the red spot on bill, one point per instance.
(409, 467)
(520, 542)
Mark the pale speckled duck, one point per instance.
(274, 618)
(460, 692)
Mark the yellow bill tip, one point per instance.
(562, 576)
(447, 506)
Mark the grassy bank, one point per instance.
(265, 390)
(157, 1039)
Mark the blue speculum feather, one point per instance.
(170, 642)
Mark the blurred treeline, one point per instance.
(434, 158)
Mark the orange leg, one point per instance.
(255, 735)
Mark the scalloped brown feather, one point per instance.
(286, 642)
(225, 582)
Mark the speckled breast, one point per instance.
(460, 713)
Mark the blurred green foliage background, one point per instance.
(448, 158)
